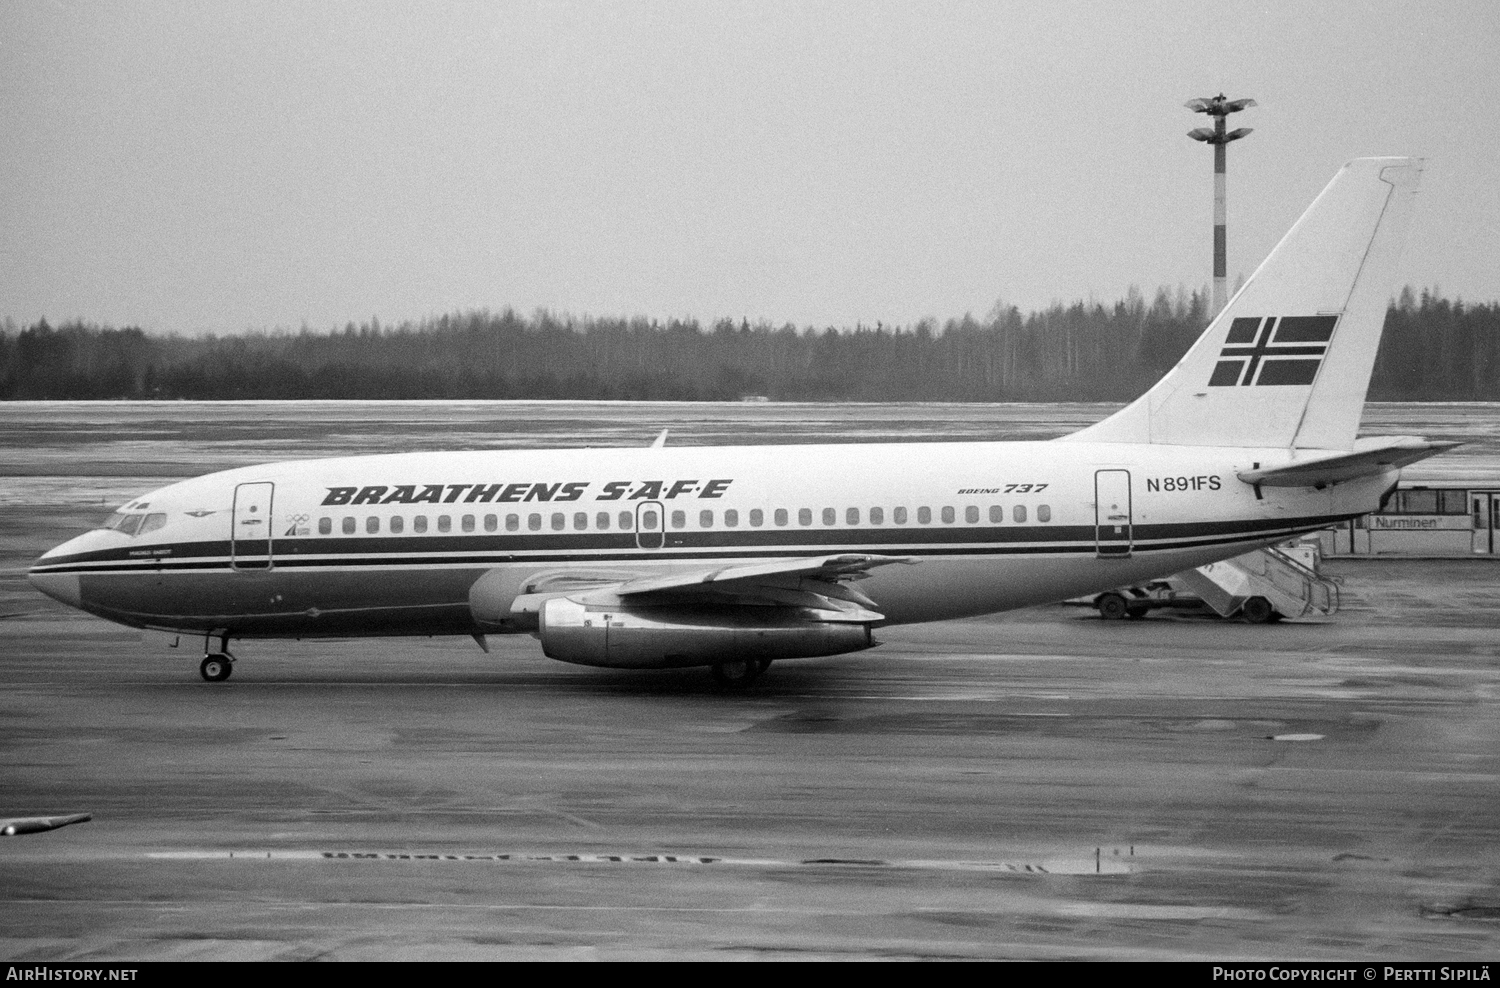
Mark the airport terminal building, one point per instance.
(1425, 518)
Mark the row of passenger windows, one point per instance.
(602, 521)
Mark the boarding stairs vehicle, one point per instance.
(1262, 586)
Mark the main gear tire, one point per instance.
(737, 674)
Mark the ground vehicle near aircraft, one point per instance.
(733, 557)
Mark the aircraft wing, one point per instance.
(818, 582)
(1369, 457)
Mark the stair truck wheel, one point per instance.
(1258, 610)
(1112, 606)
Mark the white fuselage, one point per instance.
(396, 544)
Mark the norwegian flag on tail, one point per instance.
(1273, 350)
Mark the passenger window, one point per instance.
(559, 521)
(851, 517)
(705, 519)
(397, 524)
(731, 518)
(445, 524)
(349, 525)
(648, 518)
(899, 516)
(419, 523)
(804, 516)
(325, 526)
(997, 514)
(924, 516)
(491, 522)
(512, 523)
(601, 521)
(757, 517)
(627, 521)
(971, 515)
(781, 516)
(679, 519)
(372, 525)
(467, 523)
(1044, 512)
(1018, 512)
(152, 523)
(830, 517)
(877, 516)
(580, 521)
(534, 522)
(948, 515)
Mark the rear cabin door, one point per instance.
(250, 534)
(650, 524)
(1112, 512)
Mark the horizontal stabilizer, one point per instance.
(1319, 468)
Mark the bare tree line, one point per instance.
(1434, 349)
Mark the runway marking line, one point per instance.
(1090, 865)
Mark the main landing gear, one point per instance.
(216, 666)
(737, 674)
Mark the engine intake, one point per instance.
(645, 637)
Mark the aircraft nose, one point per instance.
(58, 586)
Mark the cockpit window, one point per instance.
(123, 523)
(134, 524)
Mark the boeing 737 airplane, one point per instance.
(731, 557)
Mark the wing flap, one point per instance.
(829, 569)
(813, 584)
(1368, 458)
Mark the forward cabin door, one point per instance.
(1112, 525)
(250, 532)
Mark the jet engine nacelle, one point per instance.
(665, 637)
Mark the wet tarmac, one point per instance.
(1042, 784)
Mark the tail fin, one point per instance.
(1288, 361)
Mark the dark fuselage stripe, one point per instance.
(1072, 540)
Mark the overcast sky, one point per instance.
(221, 166)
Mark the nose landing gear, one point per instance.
(216, 666)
